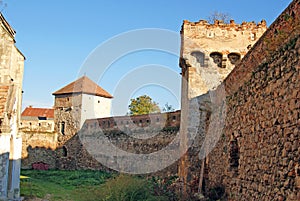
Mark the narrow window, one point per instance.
(64, 151)
(62, 128)
(253, 36)
(234, 155)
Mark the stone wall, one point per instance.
(40, 139)
(11, 78)
(258, 155)
(37, 125)
(45, 147)
(209, 52)
(67, 116)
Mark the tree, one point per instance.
(224, 17)
(168, 108)
(143, 105)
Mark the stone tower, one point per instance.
(209, 52)
(80, 100)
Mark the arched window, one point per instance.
(199, 57)
(217, 58)
(234, 58)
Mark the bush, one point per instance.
(128, 188)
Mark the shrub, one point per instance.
(128, 188)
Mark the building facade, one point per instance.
(11, 78)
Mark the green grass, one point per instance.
(57, 185)
(62, 185)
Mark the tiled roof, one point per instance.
(3, 99)
(38, 112)
(83, 85)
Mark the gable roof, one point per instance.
(38, 112)
(83, 85)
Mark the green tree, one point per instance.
(143, 105)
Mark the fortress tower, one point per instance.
(80, 100)
(209, 52)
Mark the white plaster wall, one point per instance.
(4, 160)
(94, 107)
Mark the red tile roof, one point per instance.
(38, 112)
(83, 85)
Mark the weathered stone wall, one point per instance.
(209, 52)
(67, 116)
(46, 140)
(258, 156)
(37, 125)
(11, 78)
(45, 147)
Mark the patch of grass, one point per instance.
(58, 185)
(62, 185)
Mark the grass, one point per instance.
(79, 185)
(62, 185)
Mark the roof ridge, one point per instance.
(83, 85)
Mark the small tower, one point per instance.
(209, 52)
(80, 100)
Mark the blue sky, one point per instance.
(57, 37)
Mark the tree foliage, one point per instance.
(216, 15)
(143, 105)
